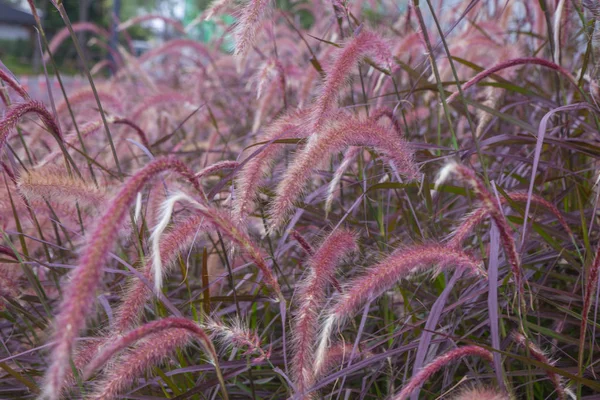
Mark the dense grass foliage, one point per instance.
(360, 199)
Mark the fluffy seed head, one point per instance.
(17, 111)
(79, 294)
(312, 295)
(229, 228)
(383, 276)
(146, 354)
(350, 131)
(365, 44)
(539, 355)
(440, 362)
(176, 240)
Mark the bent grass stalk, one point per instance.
(351, 131)
(539, 355)
(385, 275)
(221, 221)
(451, 356)
(79, 294)
(312, 295)
(163, 337)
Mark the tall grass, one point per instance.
(312, 213)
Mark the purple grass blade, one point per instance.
(432, 321)
(493, 302)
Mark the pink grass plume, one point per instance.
(539, 355)
(216, 167)
(471, 221)
(179, 238)
(481, 393)
(78, 297)
(381, 277)
(441, 361)
(18, 110)
(307, 247)
(467, 176)
(248, 24)
(236, 334)
(115, 346)
(349, 158)
(312, 295)
(221, 221)
(13, 84)
(52, 183)
(162, 338)
(348, 131)
(257, 165)
(365, 44)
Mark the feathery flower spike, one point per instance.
(350, 131)
(176, 240)
(79, 294)
(257, 166)
(479, 215)
(349, 157)
(467, 176)
(221, 221)
(236, 334)
(52, 183)
(248, 24)
(162, 338)
(312, 296)
(115, 346)
(437, 364)
(383, 276)
(481, 393)
(18, 110)
(14, 85)
(539, 355)
(365, 44)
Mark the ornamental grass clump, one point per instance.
(79, 295)
(380, 277)
(247, 207)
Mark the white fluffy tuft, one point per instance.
(444, 174)
(138, 208)
(166, 210)
(323, 344)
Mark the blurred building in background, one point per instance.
(15, 24)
